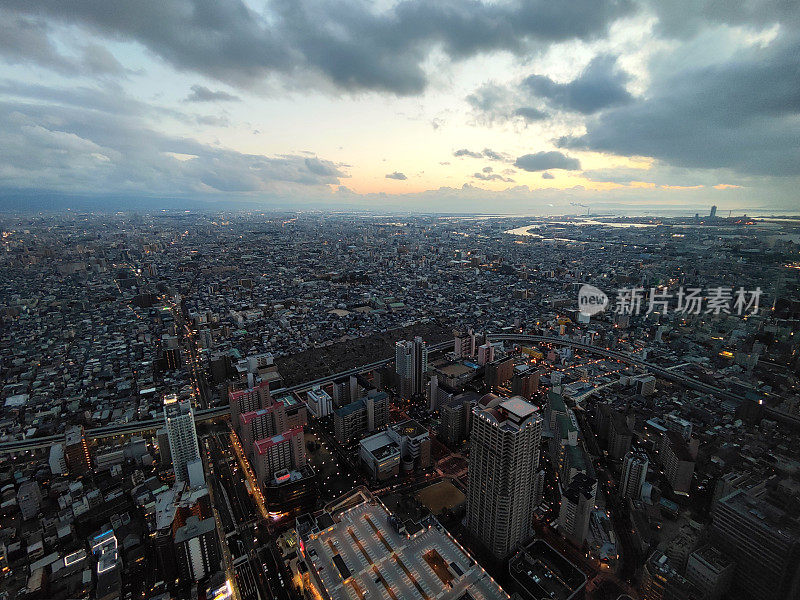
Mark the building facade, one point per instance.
(182, 435)
(504, 460)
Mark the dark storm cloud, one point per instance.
(542, 161)
(742, 114)
(396, 175)
(546, 175)
(203, 94)
(600, 85)
(685, 18)
(26, 40)
(348, 41)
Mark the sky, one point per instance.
(496, 107)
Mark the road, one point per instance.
(259, 575)
(224, 411)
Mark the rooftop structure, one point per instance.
(540, 571)
(358, 551)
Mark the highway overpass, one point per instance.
(516, 338)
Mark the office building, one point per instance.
(411, 363)
(525, 381)
(76, 449)
(619, 436)
(634, 473)
(367, 414)
(455, 419)
(660, 581)
(540, 572)
(108, 570)
(645, 385)
(219, 587)
(319, 402)
(577, 504)
(763, 541)
(678, 463)
(405, 446)
(380, 455)
(682, 544)
(291, 492)
(414, 442)
(197, 549)
(182, 435)
(504, 460)
(711, 572)
(679, 425)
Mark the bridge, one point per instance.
(211, 414)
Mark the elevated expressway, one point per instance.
(210, 414)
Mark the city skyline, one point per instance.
(242, 406)
(480, 107)
(399, 300)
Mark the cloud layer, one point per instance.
(158, 97)
(348, 42)
(105, 142)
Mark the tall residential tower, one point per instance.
(504, 460)
(182, 435)
(411, 362)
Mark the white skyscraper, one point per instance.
(182, 435)
(503, 468)
(634, 472)
(411, 362)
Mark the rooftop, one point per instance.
(519, 407)
(363, 556)
(380, 445)
(262, 446)
(542, 572)
(410, 428)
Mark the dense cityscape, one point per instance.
(400, 300)
(322, 405)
